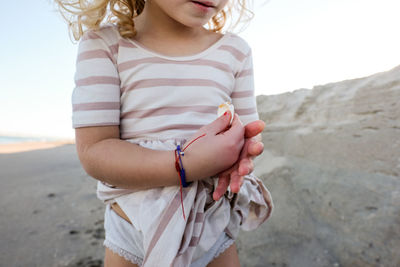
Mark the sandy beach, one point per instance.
(49, 213)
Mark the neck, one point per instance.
(152, 22)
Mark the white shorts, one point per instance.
(122, 238)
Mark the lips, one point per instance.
(204, 3)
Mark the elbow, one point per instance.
(88, 169)
(83, 152)
(92, 149)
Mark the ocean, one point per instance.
(20, 139)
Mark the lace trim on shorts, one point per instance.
(224, 247)
(123, 253)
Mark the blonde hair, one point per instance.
(83, 15)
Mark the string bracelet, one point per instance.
(181, 171)
(177, 167)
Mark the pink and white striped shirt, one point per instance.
(152, 96)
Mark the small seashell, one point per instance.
(227, 106)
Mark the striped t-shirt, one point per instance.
(157, 97)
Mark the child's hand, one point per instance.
(218, 150)
(244, 165)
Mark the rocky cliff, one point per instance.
(332, 164)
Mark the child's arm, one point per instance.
(120, 163)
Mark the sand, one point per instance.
(49, 213)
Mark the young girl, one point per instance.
(148, 84)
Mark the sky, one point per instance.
(296, 44)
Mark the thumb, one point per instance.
(220, 124)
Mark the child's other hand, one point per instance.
(217, 151)
(244, 165)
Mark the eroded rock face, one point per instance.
(332, 164)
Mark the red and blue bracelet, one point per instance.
(181, 171)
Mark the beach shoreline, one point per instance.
(30, 146)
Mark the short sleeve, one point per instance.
(243, 97)
(96, 96)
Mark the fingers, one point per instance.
(246, 166)
(223, 183)
(236, 181)
(219, 125)
(250, 150)
(254, 128)
(236, 121)
(236, 131)
(255, 149)
(233, 178)
(228, 171)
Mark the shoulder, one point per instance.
(236, 47)
(101, 43)
(107, 33)
(238, 42)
